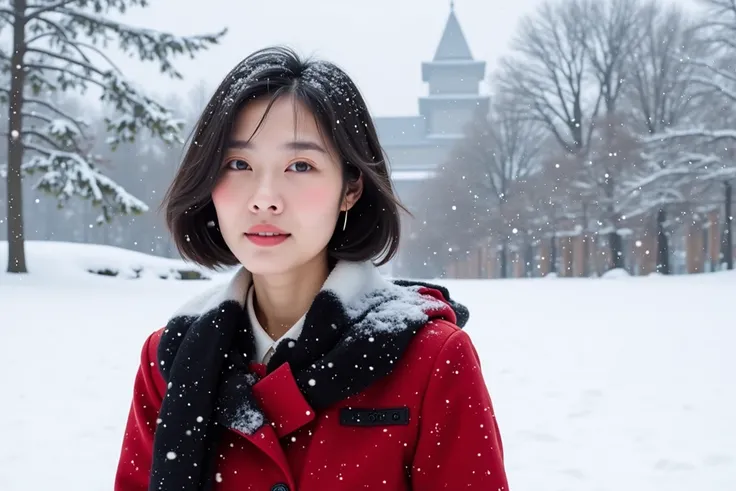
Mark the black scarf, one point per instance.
(357, 328)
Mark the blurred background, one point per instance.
(542, 147)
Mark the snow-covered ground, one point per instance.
(607, 384)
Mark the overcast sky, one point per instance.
(381, 43)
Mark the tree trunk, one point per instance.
(727, 239)
(663, 245)
(586, 247)
(615, 245)
(529, 258)
(504, 259)
(16, 237)
(553, 243)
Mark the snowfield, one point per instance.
(598, 384)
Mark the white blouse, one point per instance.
(264, 343)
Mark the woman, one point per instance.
(308, 370)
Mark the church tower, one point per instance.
(454, 78)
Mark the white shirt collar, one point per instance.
(263, 341)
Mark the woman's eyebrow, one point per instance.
(292, 145)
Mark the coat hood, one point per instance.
(452, 311)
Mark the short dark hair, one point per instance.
(373, 229)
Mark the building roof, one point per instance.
(453, 45)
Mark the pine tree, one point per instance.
(57, 47)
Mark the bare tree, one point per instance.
(571, 62)
(614, 29)
(613, 32)
(546, 75)
(659, 91)
(446, 226)
(543, 205)
(474, 199)
(501, 150)
(57, 46)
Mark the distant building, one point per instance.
(417, 145)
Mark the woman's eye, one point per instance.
(300, 167)
(237, 164)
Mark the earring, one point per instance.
(345, 222)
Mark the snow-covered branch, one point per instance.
(68, 174)
(80, 124)
(680, 169)
(147, 44)
(715, 87)
(57, 30)
(137, 112)
(644, 207)
(44, 138)
(37, 10)
(83, 64)
(709, 136)
(35, 115)
(66, 79)
(711, 68)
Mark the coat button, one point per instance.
(280, 487)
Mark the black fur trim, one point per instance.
(333, 359)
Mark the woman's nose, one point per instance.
(265, 198)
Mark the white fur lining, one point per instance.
(235, 289)
(350, 281)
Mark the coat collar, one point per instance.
(357, 286)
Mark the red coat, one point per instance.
(446, 436)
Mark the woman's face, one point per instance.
(279, 193)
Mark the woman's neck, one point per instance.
(281, 300)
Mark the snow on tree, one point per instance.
(58, 46)
(703, 147)
(659, 96)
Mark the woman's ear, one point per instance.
(353, 193)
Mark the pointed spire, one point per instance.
(453, 45)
